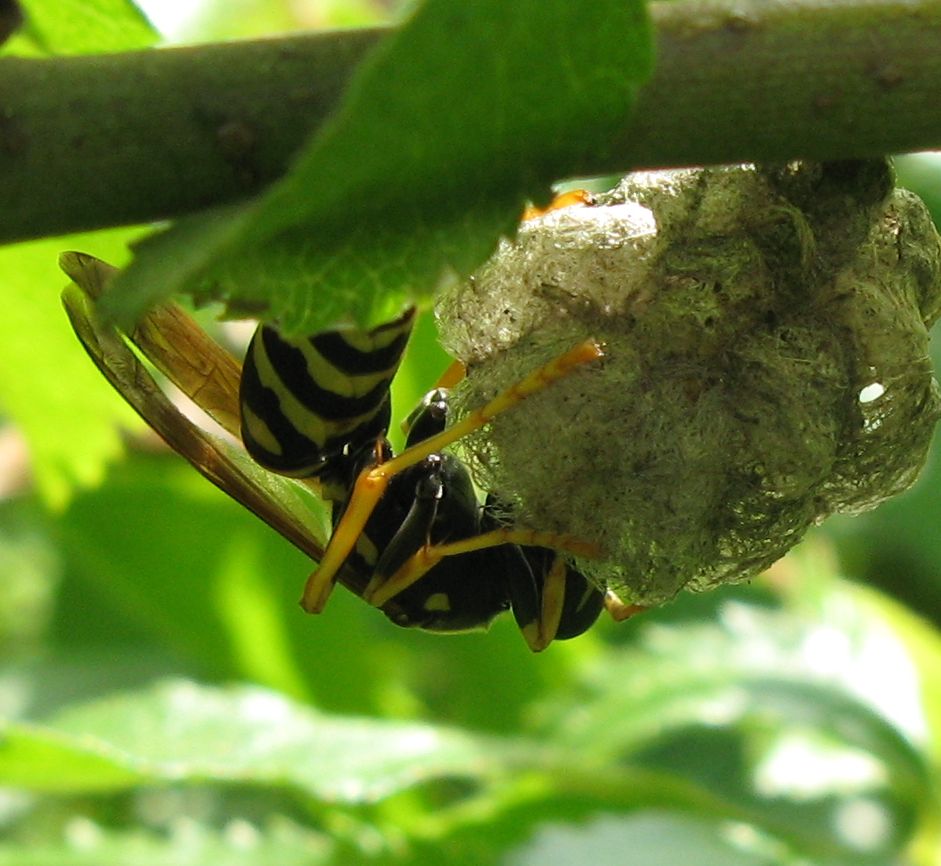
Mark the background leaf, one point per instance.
(654, 839)
(66, 412)
(81, 27)
(180, 731)
(86, 843)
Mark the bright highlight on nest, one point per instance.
(766, 365)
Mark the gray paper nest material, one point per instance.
(766, 338)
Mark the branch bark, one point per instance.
(95, 141)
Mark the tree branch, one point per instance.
(101, 140)
(95, 141)
(773, 81)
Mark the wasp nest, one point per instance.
(766, 365)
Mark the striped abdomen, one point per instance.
(303, 401)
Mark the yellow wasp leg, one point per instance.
(619, 610)
(564, 199)
(422, 561)
(456, 371)
(542, 632)
(372, 483)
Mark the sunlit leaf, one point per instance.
(241, 843)
(719, 701)
(179, 731)
(653, 838)
(48, 387)
(157, 519)
(42, 759)
(81, 27)
(757, 665)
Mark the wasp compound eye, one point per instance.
(766, 365)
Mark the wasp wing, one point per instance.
(282, 504)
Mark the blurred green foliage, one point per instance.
(164, 700)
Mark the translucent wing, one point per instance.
(209, 376)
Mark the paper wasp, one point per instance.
(409, 534)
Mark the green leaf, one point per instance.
(757, 666)
(601, 753)
(217, 20)
(458, 118)
(42, 759)
(923, 643)
(653, 838)
(721, 703)
(240, 843)
(82, 27)
(159, 559)
(48, 387)
(174, 559)
(179, 731)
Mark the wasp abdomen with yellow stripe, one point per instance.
(306, 401)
